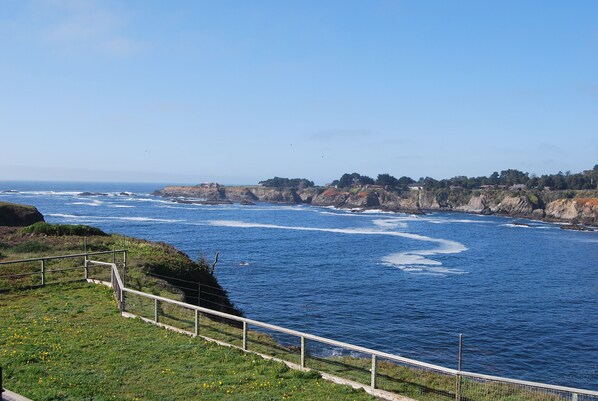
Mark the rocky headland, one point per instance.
(14, 215)
(574, 207)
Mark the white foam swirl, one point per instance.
(415, 261)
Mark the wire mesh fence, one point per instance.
(371, 369)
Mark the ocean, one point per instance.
(525, 297)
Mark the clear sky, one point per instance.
(240, 91)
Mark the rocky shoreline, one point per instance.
(571, 207)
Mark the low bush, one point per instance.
(31, 247)
(59, 230)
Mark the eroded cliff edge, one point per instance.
(578, 207)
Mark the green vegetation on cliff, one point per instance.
(586, 180)
(154, 267)
(278, 182)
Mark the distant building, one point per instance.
(487, 186)
(415, 186)
(517, 187)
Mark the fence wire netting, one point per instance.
(372, 369)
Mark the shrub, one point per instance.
(62, 230)
(31, 247)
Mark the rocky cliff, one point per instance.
(14, 215)
(567, 206)
(580, 210)
(216, 192)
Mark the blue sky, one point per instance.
(240, 91)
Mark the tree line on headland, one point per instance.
(587, 179)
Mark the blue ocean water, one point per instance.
(524, 297)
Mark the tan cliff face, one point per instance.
(514, 205)
(477, 204)
(530, 204)
(582, 210)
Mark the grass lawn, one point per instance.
(68, 342)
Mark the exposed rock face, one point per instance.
(427, 200)
(276, 195)
(204, 191)
(307, 194)
(477, 204)
(215, 192)
(514, 206)
(581, 210)
(14, 215)
(239, 194)
(330, 197)
(363, 199)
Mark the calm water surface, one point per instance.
(525, 298)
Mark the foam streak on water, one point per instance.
(414, 261)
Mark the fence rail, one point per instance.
(458, 385)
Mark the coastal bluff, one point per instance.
(14, 215)
(577, 207)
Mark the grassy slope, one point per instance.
(68, 342)
(144, 260)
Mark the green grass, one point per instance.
(68, 342)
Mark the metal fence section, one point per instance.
(382, 374)
(35, 272)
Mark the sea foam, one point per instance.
(415, 261)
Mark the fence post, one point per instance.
(458, 377)
(125, 268)
(245, 336)
(374, 370)
(43, 272)
(122, 300)
(114, 257)
(156, 311)
(86, 267)
(196, 322)
(302, 351)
